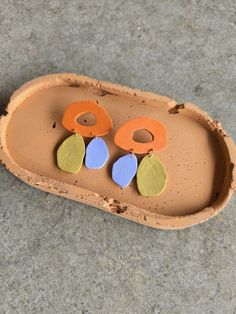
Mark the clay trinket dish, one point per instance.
(200, 158)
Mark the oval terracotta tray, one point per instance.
(200, 157)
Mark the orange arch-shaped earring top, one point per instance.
(124, 135)
(103, 121)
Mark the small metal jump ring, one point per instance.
(151, 153)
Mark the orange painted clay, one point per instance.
(124, 135)
(103, 121)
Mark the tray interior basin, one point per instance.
(194, 157)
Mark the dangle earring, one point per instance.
(70, 154)
(151, 174)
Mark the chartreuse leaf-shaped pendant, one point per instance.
(151, 176)
(71, 153)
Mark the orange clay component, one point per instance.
(124, 135)
(73, 111)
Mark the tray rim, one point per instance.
(122, 209)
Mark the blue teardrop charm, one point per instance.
(124, 169)
(97, 153)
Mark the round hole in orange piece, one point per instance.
(103, 120)
(86, 119)
(142, 136)
(124, 135)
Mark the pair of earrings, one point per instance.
(151, 174)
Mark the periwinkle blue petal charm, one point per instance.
(97, 153)
(124, 169)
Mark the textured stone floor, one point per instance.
(58, 256)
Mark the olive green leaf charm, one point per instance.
(71, 153)
(151, 176)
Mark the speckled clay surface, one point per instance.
(199, 157)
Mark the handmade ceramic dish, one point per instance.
(200, 158)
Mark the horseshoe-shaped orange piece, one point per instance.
(103, 121)
(124, 135)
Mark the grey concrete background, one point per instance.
(58, 256)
